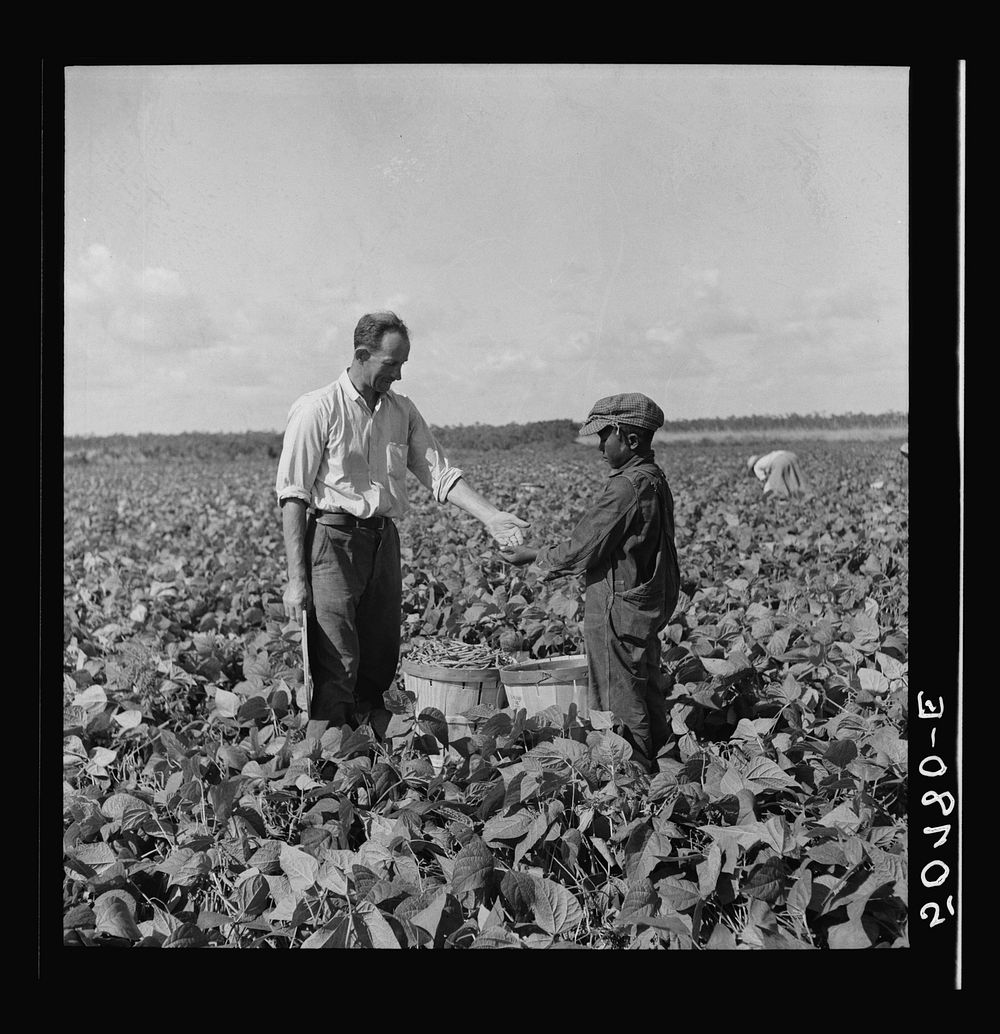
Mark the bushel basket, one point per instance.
(453, 691)
(536, 685)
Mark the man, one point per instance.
(341, 483)
(624, 546)
(779, 470)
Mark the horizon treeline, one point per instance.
(218, 444)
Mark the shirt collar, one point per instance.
(344, 380)
(635, 461)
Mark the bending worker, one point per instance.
(341, 483)
(779, 471)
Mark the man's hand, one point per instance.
(518, 555)
(296, 598)
(506, 529)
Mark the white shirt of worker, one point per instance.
(342, 457)
(780, 473)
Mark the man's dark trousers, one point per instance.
(354, 629)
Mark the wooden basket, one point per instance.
(453, 691)
(536, 685)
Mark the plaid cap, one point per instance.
(630, 408)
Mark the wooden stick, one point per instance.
(305, 663)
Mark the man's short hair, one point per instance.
(373, 326)
(644, 434)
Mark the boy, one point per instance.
(624, 546)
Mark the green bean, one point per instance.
(454, 653)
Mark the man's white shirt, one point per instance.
(339, 455)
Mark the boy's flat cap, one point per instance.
(630, 408)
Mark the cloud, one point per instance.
(137, 337)
(704, 331)
(673, 349)
(705, 280)
(666, 335)
(708, 311)
(107, 305)
(724, 321)
(511, 360)
(838, 329)
(402, 167)
(163, 283)
(830, 345)
(570, 290)
(427, 318)
(707, 353)
(839, 347)
(855, 301)
(144, 350)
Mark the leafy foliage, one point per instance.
(202, 809)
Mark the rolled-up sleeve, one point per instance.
(302, 450)
(600, 528)
(426, 458)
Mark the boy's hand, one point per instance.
(518, 555)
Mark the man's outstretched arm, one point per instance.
(504, 527)
(430, 466)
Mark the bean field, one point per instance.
(201, 808)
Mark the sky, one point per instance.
(727, 239)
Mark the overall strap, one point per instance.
(666, 568)
(656, 477)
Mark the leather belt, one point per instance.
(347, 520)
